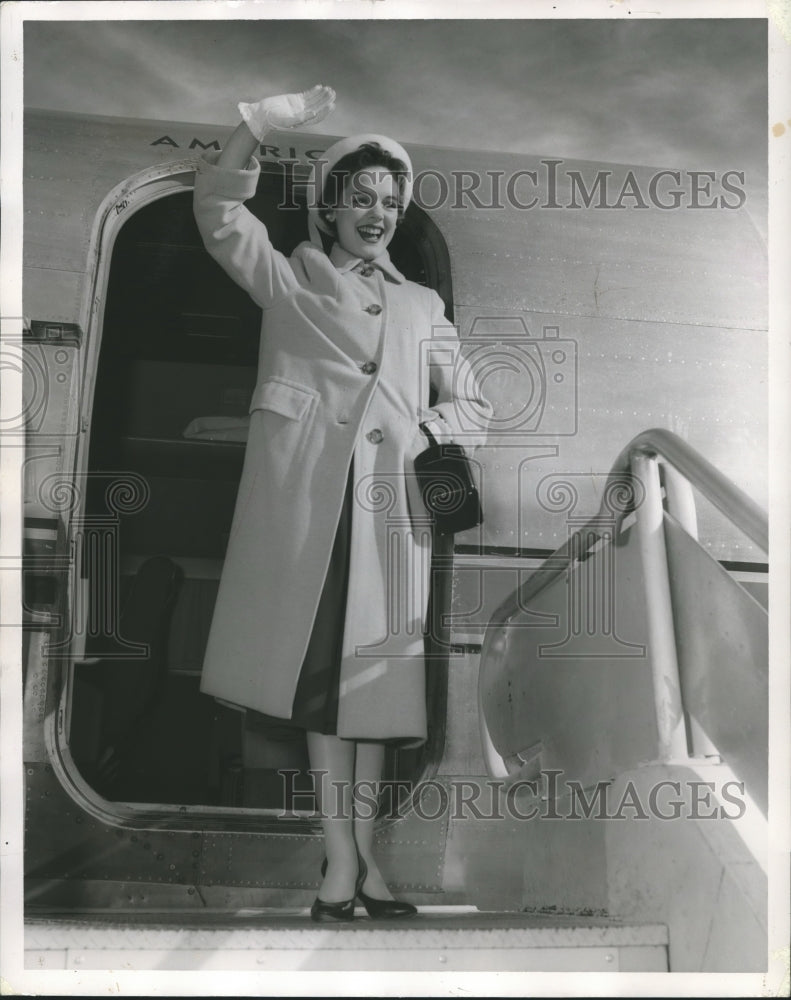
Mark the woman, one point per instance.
(319, 615)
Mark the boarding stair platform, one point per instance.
(629, 661)
(438, 939)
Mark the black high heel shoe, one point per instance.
(385, 908)
(378, 909)
(323, 912)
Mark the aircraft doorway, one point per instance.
(180, 341)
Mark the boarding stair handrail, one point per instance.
(640, 459)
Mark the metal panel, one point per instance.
(432, 940)
(52, 294)
(74, 896)
(642, 959)
(462, 751)
(721, 637)
(480, 585)
(485, 857)
(410, 850)
(391, 959)
(71, 163)
(584, 693)
(673, 266)
(86, 848)
(254, 861)
(705, 383)
(684, 871)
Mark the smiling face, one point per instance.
(366, 219)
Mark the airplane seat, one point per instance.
(266, 752)
(115, 692)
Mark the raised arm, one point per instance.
(236, 239)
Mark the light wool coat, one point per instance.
(345, 365)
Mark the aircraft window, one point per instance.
(180, 341)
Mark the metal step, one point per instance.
(438, 939)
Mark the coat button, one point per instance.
(374, 310)
(368, 368)
(375, 436)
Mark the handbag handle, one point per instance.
(425, 428)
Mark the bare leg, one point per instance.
(368, 766)
(335, 757)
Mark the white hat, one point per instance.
(330, 157)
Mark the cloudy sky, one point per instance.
(690, 94)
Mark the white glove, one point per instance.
(438, 425)
(288, 110)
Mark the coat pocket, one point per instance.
(280, 395)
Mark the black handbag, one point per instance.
(446, 485)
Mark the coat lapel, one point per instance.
(345, 299)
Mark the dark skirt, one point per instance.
(316, 699)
